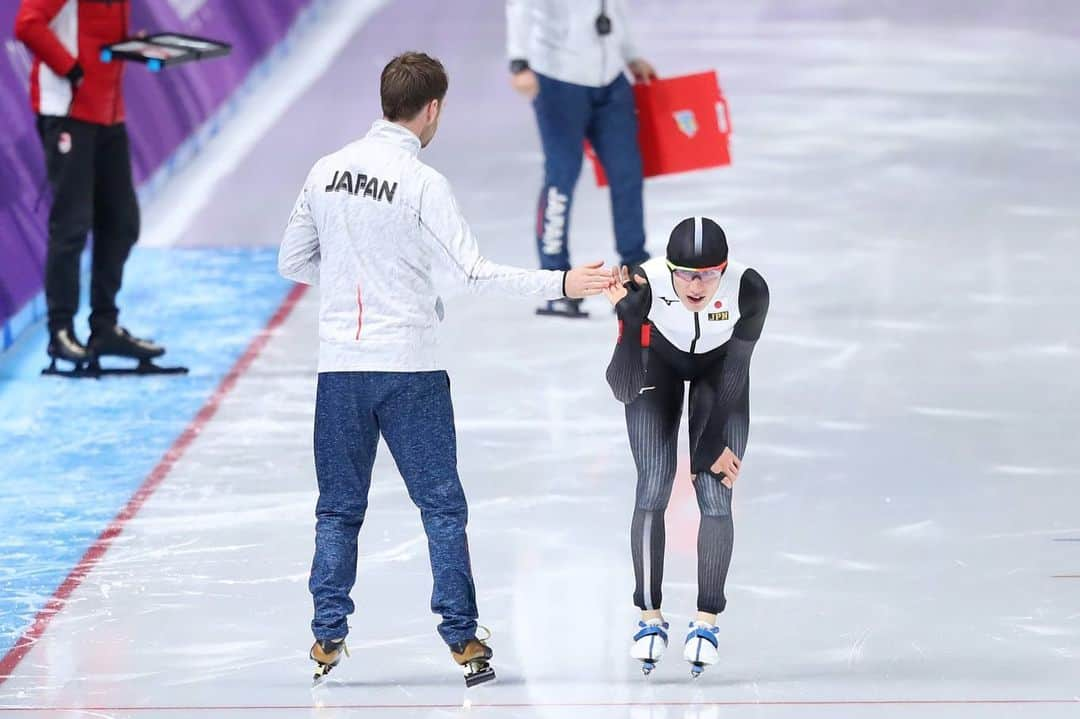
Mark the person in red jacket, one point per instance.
(80, 107)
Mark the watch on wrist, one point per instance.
(518, 65)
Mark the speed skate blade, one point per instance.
(483, 676)
(581, 315)
(148, 368)
(94, 370)
(73, 373)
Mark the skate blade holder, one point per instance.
(583, 315)
(322, 670)
(477, 673)
(92, 369)
(81, 368)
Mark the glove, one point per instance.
(75, 76)
(627, 369)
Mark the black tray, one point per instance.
(164, 49)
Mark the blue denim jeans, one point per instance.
(412, 411)
(567, 115)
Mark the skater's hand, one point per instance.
(525, 82)
(727, 465)
(616, 289)
(642, 70)
(586, 280)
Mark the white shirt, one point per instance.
(694, 332)
(559, 39)
(374, 227)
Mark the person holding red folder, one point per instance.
(568, 58)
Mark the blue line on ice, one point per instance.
(72, 452)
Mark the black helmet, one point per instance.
(697, 242)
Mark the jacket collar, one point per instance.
(394, 134)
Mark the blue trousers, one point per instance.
(412, 411)
(567, 115)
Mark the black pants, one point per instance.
(652, 421)
(89, 169)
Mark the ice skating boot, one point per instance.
(565, 307)
(116, 341)
(474, 656)
(326, 653)
(701, 647)
(64, 345)
(650, 641)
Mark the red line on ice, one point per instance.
(59, 598)
(564, 705)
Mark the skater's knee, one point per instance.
(654, 488)
(652, 501)
(625, 177)
(68, 233)
(440, 497)
(340, 515)
(714, 499)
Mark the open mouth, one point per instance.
(696, 299)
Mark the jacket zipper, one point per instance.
(697, 331)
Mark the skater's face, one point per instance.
(431, 113)
(695, 287)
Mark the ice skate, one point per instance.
(701, 647)
(565, 307)
(118, 342)
(474, 657)
(326, 654)
(649, 644)
(65, 346)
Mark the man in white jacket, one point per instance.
(568, 57)
(373, 226)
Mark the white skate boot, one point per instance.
(650, 641)
(701, 647)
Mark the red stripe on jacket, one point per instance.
(359, 312)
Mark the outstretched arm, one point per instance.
(444, 224)
(728, 412)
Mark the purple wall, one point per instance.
(162, 111)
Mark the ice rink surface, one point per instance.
(907, 534)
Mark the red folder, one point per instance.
(683, 124)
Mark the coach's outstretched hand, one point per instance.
(586, 280)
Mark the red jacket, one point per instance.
(62, 32)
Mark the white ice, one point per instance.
(908, 189)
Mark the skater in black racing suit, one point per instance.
(690, 317)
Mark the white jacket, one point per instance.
(559, 39)
(374, 227)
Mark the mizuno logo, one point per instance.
(361, 185)
(669, 302)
